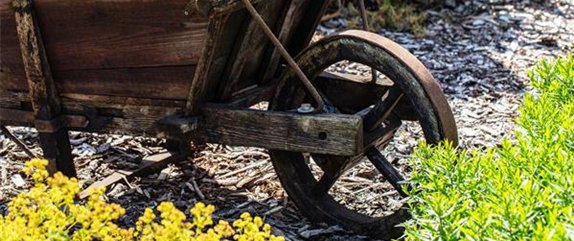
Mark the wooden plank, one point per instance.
(252, 69)
(199, 84)
(134, 116)
(12, 73)
(102, 101)
(247, 47)
(109, 34)
(253, 96)
(125, 115)
(95, 34)
(149, 165)
(167, 82)
(171, 82)
(319, 133)
(292, 17)
(306, 29)
(43, 93)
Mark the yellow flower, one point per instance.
(50, 211)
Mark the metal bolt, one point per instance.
(305, 108)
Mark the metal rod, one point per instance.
(364, 15)
(366, 28)
(19, 143)
(290, 61)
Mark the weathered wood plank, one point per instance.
(167, 82)
(12, 73)
(249, 44)
(157, 82)
(253, 96)
(199, 84)
(306, 29)
(95, 34)
(113, 35)
(292, 17)
(252, 68)
(321, 133)
(43, 92)
(149, 165)
(133, 116)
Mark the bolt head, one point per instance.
(305, 108)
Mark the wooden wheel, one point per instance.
(413, 95)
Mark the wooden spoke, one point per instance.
(386, 168)
(329, 106)
(333, 167)
(326, 182)
(382, 134)
(382, 109)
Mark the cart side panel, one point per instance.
(12, 75)
(130, 48)
(95, 34)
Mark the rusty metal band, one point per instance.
(290, 61)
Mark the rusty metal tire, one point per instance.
(414, 80)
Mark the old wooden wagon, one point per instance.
(188, 71)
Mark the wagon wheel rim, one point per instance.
(313, 193)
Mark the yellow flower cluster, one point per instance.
(50, 211)
(248, 229)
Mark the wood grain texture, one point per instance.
(291, 17)
(93, 34)
(171, 82)
(251, 69)
(98, 44)
(200, 84)
(43, 93)
(323, 133)
(12, 73)
(248, 46)
(306, 29)
(168, 82)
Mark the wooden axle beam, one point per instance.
(334, 134)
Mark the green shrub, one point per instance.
(523, 190)
(400, 15)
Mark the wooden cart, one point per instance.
(189, 71)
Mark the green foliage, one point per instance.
(398, 15)
(519, 191)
